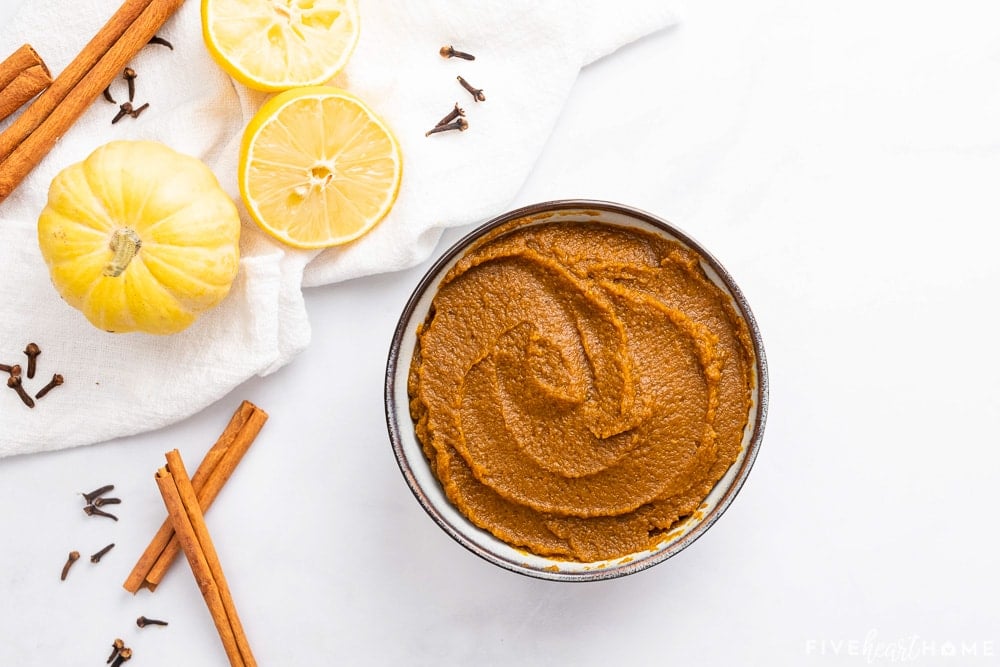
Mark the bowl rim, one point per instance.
(432, 277)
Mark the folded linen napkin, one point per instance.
(528, 55)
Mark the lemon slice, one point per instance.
(280, 44)
(318, 168)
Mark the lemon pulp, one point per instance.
(318, 168)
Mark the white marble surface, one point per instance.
(842, 160)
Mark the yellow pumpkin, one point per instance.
(140, 237)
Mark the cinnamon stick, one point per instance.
(189, 523)
(35, 132)
(212, 474)
(22, 76)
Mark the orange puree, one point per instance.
(579, 387)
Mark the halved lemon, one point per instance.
(280, 44)
(318, 168)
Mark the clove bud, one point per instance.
(14, 382)
(461, 125)
(32, 351)
(477, 93)
(449, 51)
(124, 109)
(116, 646)
(96, 558)
(129, 75)
(91, 510)
(452, 115)
(73, 557)
(123, 655)
(142, 621)
(53, 383)
(97, 493)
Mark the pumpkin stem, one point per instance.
(125, 243)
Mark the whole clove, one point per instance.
(477, 93)
(101, 502)
(73, 557)
(14, 382)
(97, 493)
(123, 655)
(107, 95)
(124, 109)
(116, 646)
(91, 510)
(142, 621)
(452, 115)
(461, 125)
(129, 75)
(32, 351)
(96, 558)
(449, 51)
(53, 383)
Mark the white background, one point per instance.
(843, 161)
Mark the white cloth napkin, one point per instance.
(528, 55)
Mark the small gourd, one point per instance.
(139, 237)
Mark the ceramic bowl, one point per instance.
(427, 489)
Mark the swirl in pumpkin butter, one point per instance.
(579, 387)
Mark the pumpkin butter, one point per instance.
(579, 387)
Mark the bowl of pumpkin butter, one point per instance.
(576, 390)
